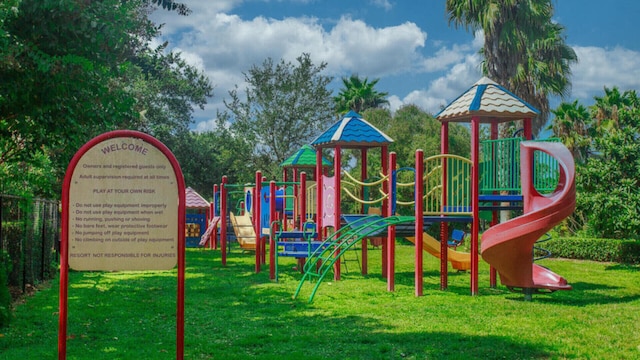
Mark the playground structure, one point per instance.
(450, 189)
(541, 213)
(197, 213)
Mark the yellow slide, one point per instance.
(459, 260)
(243, 228)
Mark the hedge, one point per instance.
(608, 250)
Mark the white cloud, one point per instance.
(395, 103)
(478, 40)
(231, 43)
(385, 4)
(206, 125)
(225, 45)
(192, 58)
(354, 46)
(600, 67)
(201, 13)
(444, 58)
(444, 89)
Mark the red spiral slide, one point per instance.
(508, 246)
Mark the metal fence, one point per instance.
(29, 239)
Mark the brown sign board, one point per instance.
(123, 208)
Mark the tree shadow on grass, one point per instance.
(264, 325)
(259, 323)
(624, 267)
(584, 293)
(234, 313)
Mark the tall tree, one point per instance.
(524, 49)
(358, 95)
(207, 156)
(284, 107)
(71, 69)
(609, 182)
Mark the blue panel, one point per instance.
(477, 99)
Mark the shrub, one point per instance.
(613, 250)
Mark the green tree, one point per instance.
(411, 128)
(205, 157)
(358, 95)
(609, 181)
(171, 5)
(524, 50)
(571, 124)
(72, 69)
(167, 90)
(284, 107)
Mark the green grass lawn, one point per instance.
(233, 313)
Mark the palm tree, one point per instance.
(523, 49)
(571, 124)
(358, 95)
(606, 110)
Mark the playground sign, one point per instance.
(123, 208)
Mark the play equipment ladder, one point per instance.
(322, 260)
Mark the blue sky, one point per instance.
(407, 44)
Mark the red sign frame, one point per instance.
(64, 240)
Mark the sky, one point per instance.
(407, 44)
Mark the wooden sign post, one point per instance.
(123, 208)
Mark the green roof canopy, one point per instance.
(305, 157)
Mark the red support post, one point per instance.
(296, 196)
(263, 240)
(475, 159)
(528, 131)
(444, 251)
(63, 307)
(213, 241)
(493, 276)
(337, 160)
(223, 221)
(419, 231)
(385, 202)
(256, 217)
(363, 178)
(272, 243)
(182, 262)
(391, 235)
(302, 211)
(319, 202)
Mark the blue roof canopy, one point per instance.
(352, 131)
